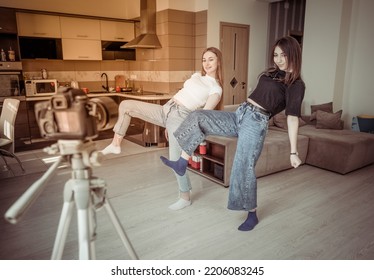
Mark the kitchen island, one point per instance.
(140, 132)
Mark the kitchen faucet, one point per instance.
(106, 87)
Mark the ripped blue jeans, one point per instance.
(250, 127)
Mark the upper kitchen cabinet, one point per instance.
(80, 39)
(116, 31)
(38, 25)
(8, 22)
(80, 28)
(78, 49)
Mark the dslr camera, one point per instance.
(67, 115)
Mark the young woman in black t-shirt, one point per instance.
(279, 88)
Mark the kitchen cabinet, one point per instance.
(38, 25)
(216, 163)
(116, 31)
(8, 22)
(80, 28)
(80, 39)
(77, 49)
(8, 32)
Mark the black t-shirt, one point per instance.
(275, 96)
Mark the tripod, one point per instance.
(87, 193)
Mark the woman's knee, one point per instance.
(125, 106)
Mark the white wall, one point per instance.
(359, 87)
(337, 56)
(251, 12)
(320, 50)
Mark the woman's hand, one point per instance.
(295, 161)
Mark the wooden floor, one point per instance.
(305, 213)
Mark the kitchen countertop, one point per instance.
(145, 96)
(21, 98)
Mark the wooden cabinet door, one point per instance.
(37, 25)
(116, 31)
(79, 28)
(77, 49)
(8, 23)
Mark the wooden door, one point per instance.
(234, 46)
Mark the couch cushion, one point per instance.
(326, 107)
(341, 151)
(329, 120)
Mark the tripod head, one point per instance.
(91, 157)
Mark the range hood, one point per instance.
(147, 38)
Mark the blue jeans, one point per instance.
(250, 127)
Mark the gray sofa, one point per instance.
(341, 151)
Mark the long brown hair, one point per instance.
(291, 48)
(219, 74)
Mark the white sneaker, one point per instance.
(111, 149)
(180, 204)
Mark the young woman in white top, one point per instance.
(201, 91)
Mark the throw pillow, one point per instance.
(329, 120)
(326, 107)
(280, 120)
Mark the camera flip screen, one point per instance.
(67, 122)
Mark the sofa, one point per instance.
(322, 142)
(341, 151)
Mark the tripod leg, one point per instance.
(64, 222)
(85, 220)
(121, 232)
